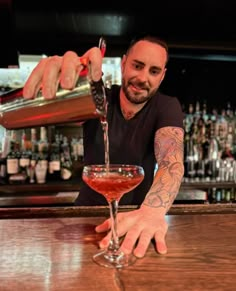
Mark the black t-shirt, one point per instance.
(130, 141)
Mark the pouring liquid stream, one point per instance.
(103, 119)
(104, 124)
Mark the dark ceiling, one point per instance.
(36, 27)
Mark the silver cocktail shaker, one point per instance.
(86, 101)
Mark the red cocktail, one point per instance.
(113, 182)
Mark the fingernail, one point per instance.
(138, 255)
(162, 252)
(101, 246)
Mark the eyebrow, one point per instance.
(143, 64)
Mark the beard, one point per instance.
(137, 97)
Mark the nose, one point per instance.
(142, 76)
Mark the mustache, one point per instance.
(140, 85)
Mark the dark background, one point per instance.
(51, 27)
(201, 36)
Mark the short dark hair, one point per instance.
(150, 38)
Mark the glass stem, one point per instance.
(114, 242)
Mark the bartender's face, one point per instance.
(143, 70)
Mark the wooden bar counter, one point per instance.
(54, 253)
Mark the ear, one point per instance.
(123, 61)
(163, 75)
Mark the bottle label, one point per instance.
(54, 166)
(12, 166)
(24, 162)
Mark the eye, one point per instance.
(155, 72)
(137, 66)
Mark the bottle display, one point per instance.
(210, 149)
(210, 144)
(48, 154)
(33, 158)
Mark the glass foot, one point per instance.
(113, 260)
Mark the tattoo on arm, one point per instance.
(168, 148)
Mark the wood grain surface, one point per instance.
(55, 254)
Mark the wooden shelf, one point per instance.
(207, 185)
(74, 185)
(56, 186)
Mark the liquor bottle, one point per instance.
(228, 195)
(43, 142)
(12, 157)
(80, 149)
(66, 161)
(6, 144)
(233, 195)
(218, 195)
(42, 160)
(3, 171)
(213, 195)
(188, 120)
(213, 159)
(24, 159)
(13, 165)
(74, 149)
(205, 115)
(34, 144)
(41, 169)
(200, 169)
(3, 160)
(23, 146)
(54, 168)
(190, 161)
(33, 163)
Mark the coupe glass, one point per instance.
(113, 182)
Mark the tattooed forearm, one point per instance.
(169, 156)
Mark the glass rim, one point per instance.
(112, 166)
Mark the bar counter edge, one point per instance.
(99, 211)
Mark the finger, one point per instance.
(94, 57)
(161, 246)
(130, 240)
(143, 243)
(51, 77)
(104, 243)
(105, 226)
(70, 70)
(33, 83)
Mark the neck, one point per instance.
(128, 109)
(127, 114)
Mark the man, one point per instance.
(145, 128)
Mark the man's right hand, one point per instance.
(64, 71)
